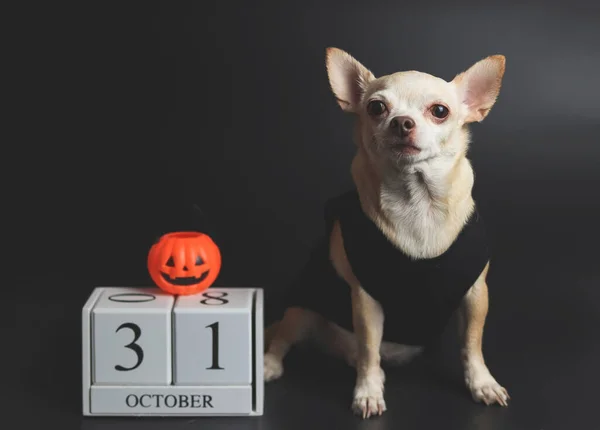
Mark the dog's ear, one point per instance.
(478, 87)
(347, 77)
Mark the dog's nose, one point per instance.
(403, 125)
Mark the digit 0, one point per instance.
(212, 300)
(132, 297)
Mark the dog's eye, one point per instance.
(376, 108)
(439, 111)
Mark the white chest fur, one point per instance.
(425, 205)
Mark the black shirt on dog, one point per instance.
(418, 297)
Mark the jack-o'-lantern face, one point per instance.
(184, 262)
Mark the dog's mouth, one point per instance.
(405, 149)
(185, 281)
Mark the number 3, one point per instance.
(139, 352)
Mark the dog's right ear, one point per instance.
(347, 77)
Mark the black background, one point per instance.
(127, 113)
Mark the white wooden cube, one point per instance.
(148, 353)
(213, 338)
(132, 337)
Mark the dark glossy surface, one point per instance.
(541, 343)
(134, 111)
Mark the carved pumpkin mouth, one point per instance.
(185, 281)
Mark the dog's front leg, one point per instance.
(472, 315)
(370, 378)
(367, 321)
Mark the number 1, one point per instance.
(215, 346)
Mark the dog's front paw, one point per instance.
(485, 389)
(368, 395)
(368, 404)
(273, 367)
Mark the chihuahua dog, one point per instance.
(406, 249)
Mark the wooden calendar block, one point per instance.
(148, 353)
(213, 337)
(172, 400)
(132, 337)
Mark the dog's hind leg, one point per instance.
(296, 326)
(341, 343)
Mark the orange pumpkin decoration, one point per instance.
(184, 262)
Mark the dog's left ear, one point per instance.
(478, 87)
(347, 77)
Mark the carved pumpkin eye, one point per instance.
(171, 263)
